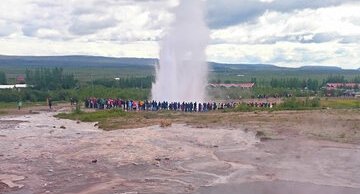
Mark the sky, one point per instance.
(289, 33)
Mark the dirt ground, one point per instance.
(283, 152)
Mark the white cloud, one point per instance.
(303, 37)
(283, 32)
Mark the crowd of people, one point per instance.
(262, 104)
(131, 105)
(264, 96)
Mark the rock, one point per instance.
(10, 180)
(62, 127)
(260, 134)
(165, 124)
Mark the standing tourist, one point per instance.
(49, 102)
(19, 104)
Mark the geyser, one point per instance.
(181, 74)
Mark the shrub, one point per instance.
(298, 104)
(243, 107)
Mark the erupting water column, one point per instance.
(182, 72)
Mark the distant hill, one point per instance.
(254, 67)
(79, 61)
(98, 61)
(268, 67)
(325, 68)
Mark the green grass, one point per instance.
(11, 105)
(340, 103)
(86, 74)
(243, 107)
(264, 77)
(306, 104)
(287, 104)
(97, 116)
(118, 119)
(7, 105)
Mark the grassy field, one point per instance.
(9, 107)
(264, 77)
(340, 103)
(13, 105)
(87, 74)
(114, 119)
(342, 125)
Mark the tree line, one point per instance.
(128, 82)
(3, 79)
(311, 84)
(50, 79)
(295, 83)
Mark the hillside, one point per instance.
(78, 61)
(98, 61)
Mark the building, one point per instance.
(342, 89)
(16, 86)
(241, 85)
(357, 94)
(20, 80)
(334, 86)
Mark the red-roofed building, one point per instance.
(334, 86)
(20, 80)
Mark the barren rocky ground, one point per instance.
(280, 153)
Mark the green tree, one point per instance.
(3, 79)
(336, 79)
(312, 84)
(50, 79)
(253, 80)
(356, 79)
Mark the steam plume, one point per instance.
(182, 72)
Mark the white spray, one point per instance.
(182, 72)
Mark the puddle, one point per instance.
(277, 187)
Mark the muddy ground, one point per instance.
(279, 153)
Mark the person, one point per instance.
(49, 102)
(19, 104)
